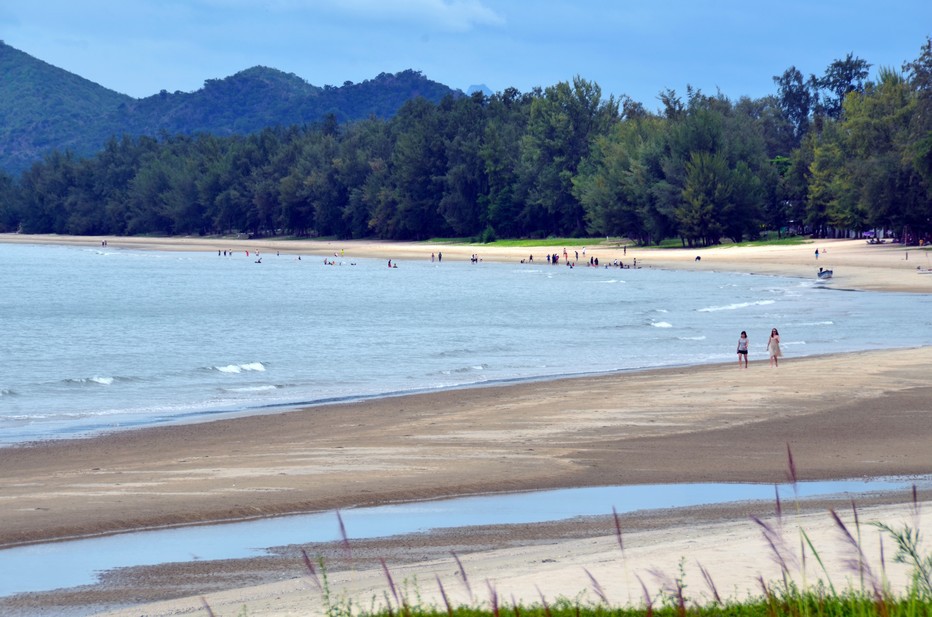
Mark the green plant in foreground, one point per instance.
(872, 598)
(909, 551)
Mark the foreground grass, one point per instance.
(872, 597)
(804, 605)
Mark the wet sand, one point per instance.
(850, 415)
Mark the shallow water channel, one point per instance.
(45, 567)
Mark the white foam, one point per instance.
(253, 389)
(661, 324)
(735, 306)
(239, 368)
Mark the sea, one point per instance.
(101, 339)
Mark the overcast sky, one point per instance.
(633, 48)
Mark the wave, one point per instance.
(735, 306)
(240, 368)
(818, 323)
(661, 324)
(463, 369)
(690, 338)
(7, 392)
(265, 388)
(101, 381)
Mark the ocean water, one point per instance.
(102, 339)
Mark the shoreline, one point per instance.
(583, 428)
(857, 265)
(350, 400)
(858, 414)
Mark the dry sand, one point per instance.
(851, 415)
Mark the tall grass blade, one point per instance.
(621, 542)
(779, 506)
(388, 604)
(711, 584)
(915, 508)
(857, 531)
(462, 572)
(680, 598)
(599, 591)
(443, 594)
(391, 583)
(791, 474)
(818, 558)
(860, 563)
(778, 550)
(345, 537)
(210, 612)
(648, 602)
(493, 598)
(543, 602)
(310, 568)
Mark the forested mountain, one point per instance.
(830, 155)
(44, 108)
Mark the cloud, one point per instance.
(444, 15)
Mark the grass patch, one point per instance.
(769, 239)
(532, 242)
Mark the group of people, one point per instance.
(773, 349)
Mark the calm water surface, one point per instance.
(105, 339)
(79, 562)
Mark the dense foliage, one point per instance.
(830, 155)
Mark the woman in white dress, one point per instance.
(773, 348)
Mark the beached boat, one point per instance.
(824, 274)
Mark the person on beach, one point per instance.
(743, 349)
(773, 348)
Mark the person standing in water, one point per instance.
(743, 349)
(773, 348)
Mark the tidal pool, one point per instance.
(44, 567)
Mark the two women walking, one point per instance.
(773, 349)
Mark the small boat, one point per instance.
(824, 275)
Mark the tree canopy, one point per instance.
(831, 155)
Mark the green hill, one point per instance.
(44, 108)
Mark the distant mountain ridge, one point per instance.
(44, 108)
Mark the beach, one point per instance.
(856, 264)
(851, 415)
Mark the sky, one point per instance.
(629, 48)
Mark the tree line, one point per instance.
(835, 154)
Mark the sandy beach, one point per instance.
(856, 264)
(844, 416)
